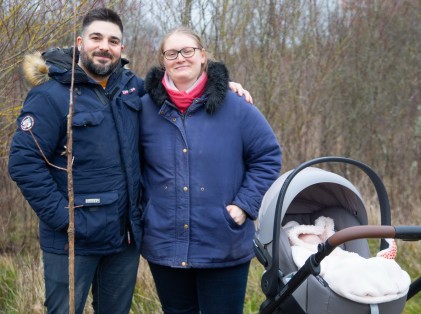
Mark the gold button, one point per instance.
(184, 150)
(186, 226)
(184, 264)
(185, 189)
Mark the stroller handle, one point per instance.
(408, 233)
(269, 278)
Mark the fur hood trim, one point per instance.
(55, 63)
(35, 69)
(215, 90)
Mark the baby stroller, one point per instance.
(303, 195)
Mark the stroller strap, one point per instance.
(374, 309)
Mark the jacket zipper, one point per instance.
(101, 95)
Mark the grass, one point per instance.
(21, 284)
(22, 291)
(8, 278)
(409, 259)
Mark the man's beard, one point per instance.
(102, 70)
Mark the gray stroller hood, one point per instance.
(312, 190)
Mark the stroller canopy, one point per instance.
(311, 190)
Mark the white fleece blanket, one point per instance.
(374, 280)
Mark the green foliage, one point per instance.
(254, 294)
(8, 289)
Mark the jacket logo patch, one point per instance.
(27, 123)
(92, 200)
(131, 90)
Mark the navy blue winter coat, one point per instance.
(106, 169)
(221, 151)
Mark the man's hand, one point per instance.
(237, 214)
(237, 88)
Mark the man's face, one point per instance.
(100, 49)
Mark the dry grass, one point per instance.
(22, 284)
(22, 287)
(22, 290)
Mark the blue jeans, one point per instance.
(197, 290)
(113, 278)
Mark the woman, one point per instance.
(208, 159)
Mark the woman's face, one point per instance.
(184, 71)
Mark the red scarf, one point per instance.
(183, 100)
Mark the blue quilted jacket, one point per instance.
(221, 151)
(106, 167)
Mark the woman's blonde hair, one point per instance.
(188, 32)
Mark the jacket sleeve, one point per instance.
(27, 166)
(263, 160)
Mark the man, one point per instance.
(106, 166)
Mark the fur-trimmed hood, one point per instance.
(215, 90)
(39, 67)
(55, 63)
(35, 70)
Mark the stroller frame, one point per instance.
(277, 292)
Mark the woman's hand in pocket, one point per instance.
(237, 214)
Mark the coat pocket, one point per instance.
(87, 118)
(132, 102)
(95, 140)
(231, 222)
(97, 219)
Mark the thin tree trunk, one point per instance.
(71, 230)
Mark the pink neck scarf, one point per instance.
(183, 100)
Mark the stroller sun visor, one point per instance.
(311, 190)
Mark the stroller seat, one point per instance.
(314, 193)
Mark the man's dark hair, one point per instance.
(102, 14)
